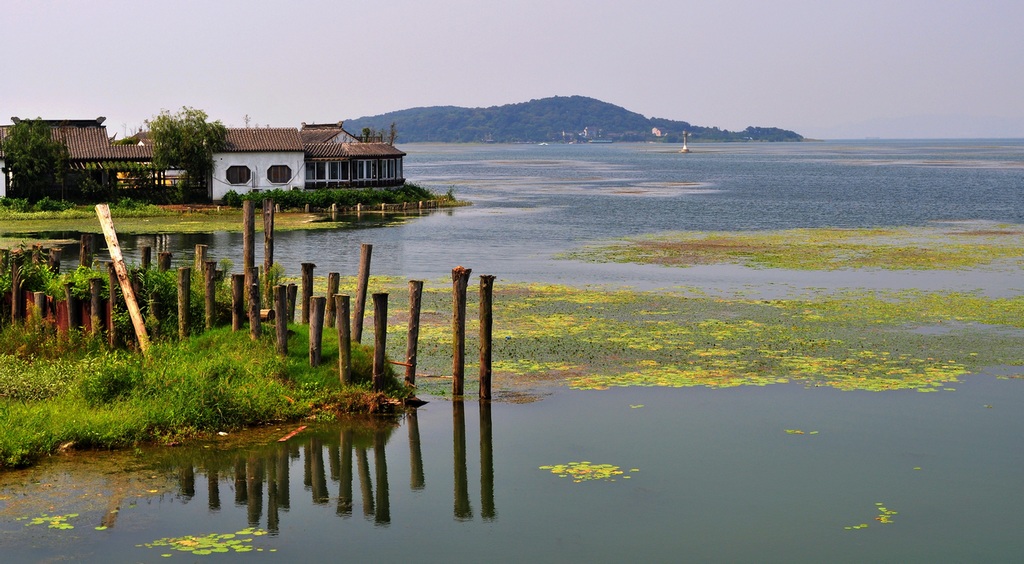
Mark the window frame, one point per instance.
(274, 177)
(235, 168)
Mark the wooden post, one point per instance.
(365, 251)
(54, 260)
(333, 280)
(316, 329)
(380, 339)
(17, 304)
(74, 308)
(210, 291)
(39, 305)
(95, 287)
(415, 301)
(163, 261)
(85, 250)
(248, 235)
(292, 291)
(341, 303)
(486, 326)
(146, 256)
(111, 305)
(237, 301)
(184, 300)
(281, 321)
(307, 289)
(200, 257)
(268, 241)
(103, 212)
(460, 282)
(255, 330)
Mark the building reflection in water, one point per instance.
(262, 474)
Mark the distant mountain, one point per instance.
(556, 119)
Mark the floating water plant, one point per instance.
(52, 521)
(240, 541)
(884, 517)
(586, 471)
(819, 249)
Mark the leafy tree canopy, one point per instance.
(186, 141)
(34, 159)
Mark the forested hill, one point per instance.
(557, 119)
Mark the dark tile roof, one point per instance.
(253, 139)
(92, 144)
(316, 133)
(324, 151)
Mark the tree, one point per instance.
(34, 159)
(186, 141)
(393, 134)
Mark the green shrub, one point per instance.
(48, 204)
(113, 379)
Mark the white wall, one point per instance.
(258, 164)
(3, 181)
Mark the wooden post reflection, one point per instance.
(254, 485)
(365, 487)
(417, 479)
(486, 463)
(333, 461)
(345, 487)
(273, 519)
(241, 493)
(319, 485)
(463, 511)
(213, 490)
(283, 471)
(380, 464)
(307, 467)
(187, 481)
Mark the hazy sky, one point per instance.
(827, 69)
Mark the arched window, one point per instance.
(239, 174)
(279, 174)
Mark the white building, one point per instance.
(257, 159)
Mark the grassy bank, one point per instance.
(137, 217)
(72, 393)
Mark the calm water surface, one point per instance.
(713, 474)
(532, 202)
(713, 477)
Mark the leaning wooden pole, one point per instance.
(412, 342)
(103, 212)
(317, 306)
(341, 304)
(380, 339)
(307, 290)
(248, 237)
(281, 320)
(365, 251)
(486, 325)
(210, 292)
(268, 243)
(460, 281)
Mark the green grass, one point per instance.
(217, 381)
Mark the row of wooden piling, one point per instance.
(336, 309)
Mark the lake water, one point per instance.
(770, 474)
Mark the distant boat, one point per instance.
(685, 149)
(600, 141)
